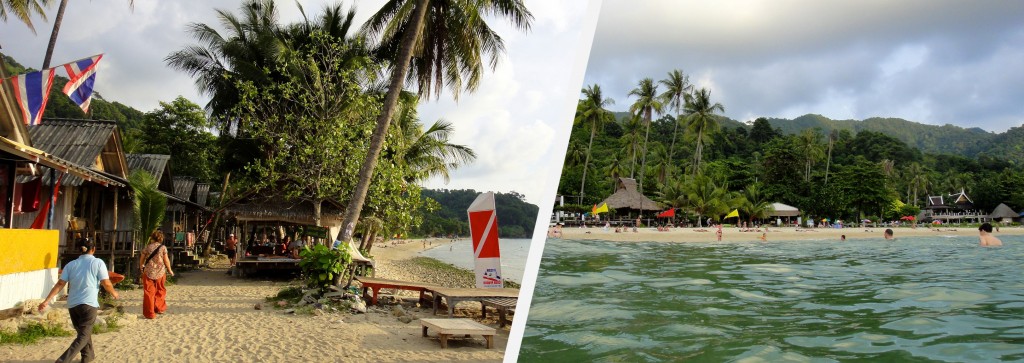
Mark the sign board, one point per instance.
(483, 230)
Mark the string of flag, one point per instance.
(32, 90)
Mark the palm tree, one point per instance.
(56, 27)
(431, 154)
(631, 140)
(808, 145)
(437, 43)
(615, 170)
(23, 10)
(918, 179)
(661, 163)
(677, 86)
(647, 103)
(592, 111)
(706, 198)
(753, 203)
(701, 121)
(832, 136)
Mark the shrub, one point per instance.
(32, 332)
(321, 266)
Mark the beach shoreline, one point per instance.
(212, 317)
(733, 234)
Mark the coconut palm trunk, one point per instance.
(53, 35)
(586, 162)
(397, 83)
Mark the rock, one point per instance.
(405, 319)
(282, 303)
(334, 288)
(289, 311)
(101, 321)
(10, 325)
(335, 294)
(397, 310)
(259, 306)
(31, 306)
(318, 312)
(359, 307)
(128, 319)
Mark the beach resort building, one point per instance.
(952, 208)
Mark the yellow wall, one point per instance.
(24, 250)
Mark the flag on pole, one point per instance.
(82, 75)
(483, 228)
(734, 213)
(667, 214)
(32, 90)
(602, 209)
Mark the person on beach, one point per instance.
(719, 233)
(154, 269)
(888, 234)
(987, 239)
(231, 247)
(86, 274)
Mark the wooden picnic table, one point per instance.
(455, 295)
(375, 284)
(502, 304)
(448, 327)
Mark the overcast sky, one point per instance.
(511, 121)
(929, 61)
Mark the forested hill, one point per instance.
(946, 139)
(933, 139)
(516, 218)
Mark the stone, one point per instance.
(359, 307)
(405, 319)
(282, 303)
(31, 306)
(101, 321)
(335, 294)
(318, 312)
(259, 306)
(10, 325)
(289, 311)
(397, 310)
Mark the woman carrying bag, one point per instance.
(155, 265)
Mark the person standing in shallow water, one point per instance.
(888, 234)
(987, 239)
(86, 274)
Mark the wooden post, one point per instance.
(113, 239)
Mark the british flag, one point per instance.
(32, 90)
(82, 75)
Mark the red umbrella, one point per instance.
(908, 218)
(667, 214)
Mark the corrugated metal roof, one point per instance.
(156, 165)
(183, 186)
(202, 192)
(78, 141)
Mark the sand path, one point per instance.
(211, 319)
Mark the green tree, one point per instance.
(810, 147)
(677, 87)
(148, 203)
(23, 10)
(630, 139)
(647, 103)
(592, 111)
(180, 129)
(753, 203)
(706, 198)
(437, 43)
(701, 121)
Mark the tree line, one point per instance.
(516, 217)
(685, 154)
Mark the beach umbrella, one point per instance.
(907, 218)
(936, 222)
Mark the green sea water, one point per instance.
(940, 299)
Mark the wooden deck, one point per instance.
(448, 327)
(251, 265)
(375, 284)
(455, 296)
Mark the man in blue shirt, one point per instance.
(85, 274)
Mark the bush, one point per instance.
(31, 333)
(321, 266)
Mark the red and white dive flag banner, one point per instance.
(483, 228)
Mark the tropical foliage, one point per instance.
(830, 169)
(149, 204)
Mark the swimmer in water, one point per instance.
(987, 239)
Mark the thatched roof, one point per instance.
(783, 210)
(276, 208)
(1003, 211)
(626, 196)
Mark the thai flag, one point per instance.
(82, 75)
(32, 90)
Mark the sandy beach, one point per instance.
(774, 234)
(211, 318)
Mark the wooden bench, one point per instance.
(375, 284)
(503, 304)
(456, 295)
(448, 327)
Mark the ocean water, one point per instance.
(460, 253)
(930, 299)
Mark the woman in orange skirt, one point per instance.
(155, 266)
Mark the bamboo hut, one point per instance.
(626, 197)
(952, 208)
